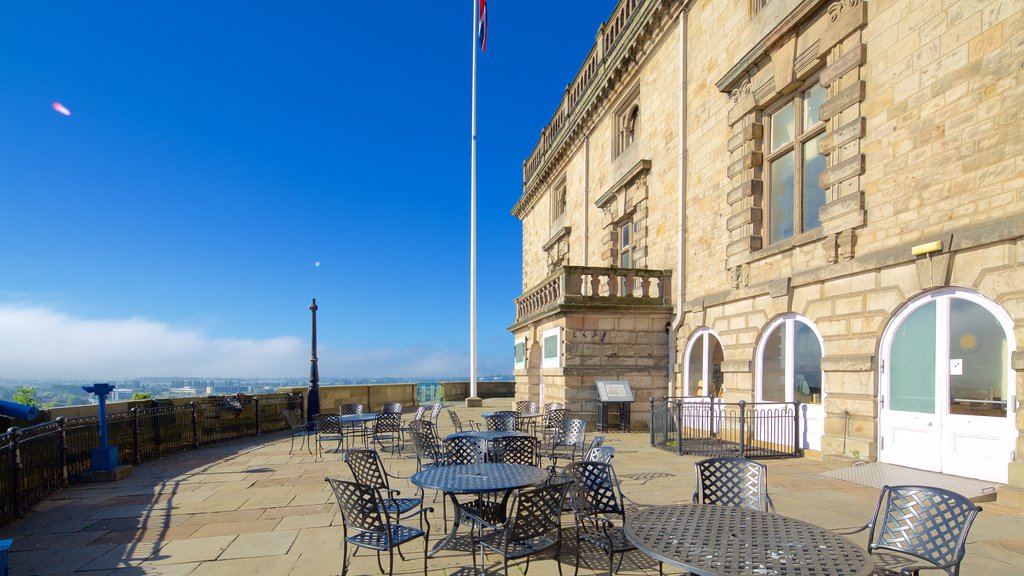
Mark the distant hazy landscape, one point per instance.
(50, 394)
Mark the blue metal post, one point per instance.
(104, 457)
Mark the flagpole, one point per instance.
(472, 226)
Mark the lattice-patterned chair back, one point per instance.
(734, 482)
(602, 454)
(553, 418)
(328, 429)
(293, 418)
(387, 430)
(572, 433)
(516, 450)
(435, 411)
(359, 506)
(464, 450)
(391, 408)
(456, 421)
(420, 411)
(595, 442)
(535, 512)
(925, 522)
(427, 444)
(553, 406)
(595, 489)
(526, 407)
(504, 421)
(367, 468)
(349, 409)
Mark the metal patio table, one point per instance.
(711, 540)
(488, 435)
(475, 479)
(354, 421)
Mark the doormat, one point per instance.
(877, 475)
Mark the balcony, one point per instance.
(593, 288)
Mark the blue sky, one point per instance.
(217, 150)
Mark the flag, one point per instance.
(482, 26)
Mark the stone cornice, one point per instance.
(739, 71)
(641, 167)
(642, 32)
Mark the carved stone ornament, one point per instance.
(836, 8)
(739, 276)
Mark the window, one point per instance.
(793, 165)
(558, 202)
(552, 344)
(520, 355)
(627, 122)
(789, 362)
(627, 249)
(704, 358)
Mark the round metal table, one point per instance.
(475, 479)
(488, 435)
(710, 540)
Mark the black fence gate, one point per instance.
(703, 426)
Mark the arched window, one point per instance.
(632, 124)
(704, 356)
(789, 362)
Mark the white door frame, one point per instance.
(941, 426)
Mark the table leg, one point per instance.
(456, 521)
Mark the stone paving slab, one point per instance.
(248, 506)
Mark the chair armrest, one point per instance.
(848, 531)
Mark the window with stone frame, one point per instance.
(627, 251)
(627, 122)
(558, 202)
(793, 164)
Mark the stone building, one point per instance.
(779, 200)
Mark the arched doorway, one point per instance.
(789, 369)
(944, 382)
(704, 357)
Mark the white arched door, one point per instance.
(944, 379)
(789, 369)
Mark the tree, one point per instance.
(25, 395)
(142, 396)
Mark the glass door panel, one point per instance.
(695, 368)
(912, 363)
(773, 374)
(977, 361)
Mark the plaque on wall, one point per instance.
(614, 391)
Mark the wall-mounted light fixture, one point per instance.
(927, 248)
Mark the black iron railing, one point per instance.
(40, 460)
(711, 427)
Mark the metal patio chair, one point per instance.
(298, 428)
(391, 408)
(503, 421)
(435, 412)
(527, 407)
(457, 422)
(603, 454)
(464, 450)
(406, 426)
(367, 468)
(551, 422)
(350, 409)
(516, 450)
(568, 442)
(733, 482)
(429, 449)
(328, 429)
(533, 525)
(913, 523)
(361, 511)
(598, 510)
(387, 430)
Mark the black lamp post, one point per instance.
(313, 394)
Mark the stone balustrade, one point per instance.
(596, 286)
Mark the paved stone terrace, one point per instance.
(248, 507)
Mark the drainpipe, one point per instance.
(680, 274)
